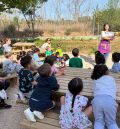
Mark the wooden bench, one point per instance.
(51, 120)
(12, 78)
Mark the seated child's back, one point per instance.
(40, 99)
(9, 66)
(76, 61)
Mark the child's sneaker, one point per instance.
(29, 115)
(39, 115)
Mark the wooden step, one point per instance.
(51, 121)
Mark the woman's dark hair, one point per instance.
(66, 57)
(105, 26)
(75, 86)
(116, 57)
(99, 71)
(99, 58)
(75, 52)
(50, 59)
(44, 70)
(25, 61)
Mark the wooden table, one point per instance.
(85, 75)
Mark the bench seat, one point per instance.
(51, 121)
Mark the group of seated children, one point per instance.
(100, 59)
(74, 110)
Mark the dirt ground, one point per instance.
(10, 119)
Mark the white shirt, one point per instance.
(45, 45)
(7, 48)
(105, 85)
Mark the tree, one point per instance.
(27, 7)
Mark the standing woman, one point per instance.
(106, 37)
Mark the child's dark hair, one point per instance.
(36, 50)
(25, 61)
(50, 59)
(45, 70)
(57, 54)
(30, 53)
(66, 57)
(75, 86)
(99, 58)
(19, 57)
(99, 71)
(116, 57)
(75, 52)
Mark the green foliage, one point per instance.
(110, 15)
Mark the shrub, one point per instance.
(67, 32)
(9, 31)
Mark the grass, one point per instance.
(86, 46)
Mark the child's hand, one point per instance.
(34, 83)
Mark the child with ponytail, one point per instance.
(74, 113)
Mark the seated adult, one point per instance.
(46, 45)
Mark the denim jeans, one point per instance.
(104, 109)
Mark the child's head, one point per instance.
(18, 57)
(50, 60)
(75, 86)
(7, 41)
(99, 58)
(48, 48)
(30, 53)
(37, 50)
(75, 52)
(48, 40)
(116, 57)
(44, 70)
(57, 54)
(66, 57)
(59, 45)
(26, 61)
(99, 71)
(8, 55)
(33, 47)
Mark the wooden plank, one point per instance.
(11, 76)
(37, 125)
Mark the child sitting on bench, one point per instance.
(74, 113)
(26, 80)
(9, 65)
(76, 62)
(52, 61)
(99, 58)
(116, 65)
(40, 99)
